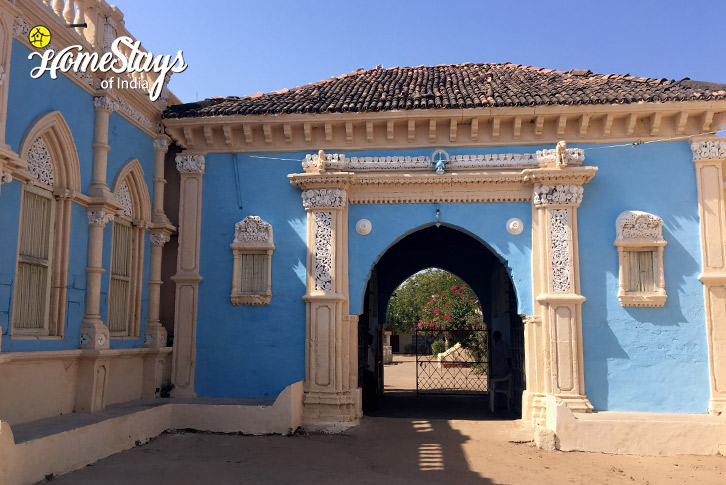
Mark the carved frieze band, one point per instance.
(560, 251)
(338, 161)
(99, 218)
(709, 150)
(106, 103)
(159, 239)
(253, 230)
(190, 163)
(558, 195)
(323, 250)
(324, 198)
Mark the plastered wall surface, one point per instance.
(643, 359)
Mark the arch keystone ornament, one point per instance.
(709, 155)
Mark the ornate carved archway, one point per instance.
(551, 179)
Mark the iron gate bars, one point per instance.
(452, 361)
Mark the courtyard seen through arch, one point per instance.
(430, 363)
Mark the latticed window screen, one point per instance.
(35, 246)
(253, 274)
(641, 273)
(122, 254)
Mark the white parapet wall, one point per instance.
(645, 434)
(124, 426)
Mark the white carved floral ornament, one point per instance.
(39, 163)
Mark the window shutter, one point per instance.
(35, 246)
(119, 304)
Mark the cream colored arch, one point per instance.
(55, 133)
(133, 176)
(58, 170)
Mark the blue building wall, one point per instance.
(28, 100)
(643, 359)
(250, 351)
(636, 359)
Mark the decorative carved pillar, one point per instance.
(161, 146)
(155, 334)
(556, 282)
(102, 106)
(187, 278)
(94, 334)
(709, 155)
(332, 398)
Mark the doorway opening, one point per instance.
(453, 367)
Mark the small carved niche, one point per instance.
(252, 271)
(640, 246)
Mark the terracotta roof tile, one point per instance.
(453, 87)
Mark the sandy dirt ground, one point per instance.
(409, 440)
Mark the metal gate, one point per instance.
(452, 361)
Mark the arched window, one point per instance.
(127, 252)
(52, 181)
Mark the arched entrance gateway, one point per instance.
(467, 208)
(459, 252)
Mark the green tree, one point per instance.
(405, 308)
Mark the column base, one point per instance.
(576, 403)
(94, 334)
(717, 406)
(534, 408)
(155, 335)
(331, 411)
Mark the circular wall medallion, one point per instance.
(363, 227)
(515, 226)
(101, 339)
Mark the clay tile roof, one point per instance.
(454, 87)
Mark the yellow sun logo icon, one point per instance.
(39, 36)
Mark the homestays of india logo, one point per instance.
(74, 58)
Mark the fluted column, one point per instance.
(709, 155)
(187, 278)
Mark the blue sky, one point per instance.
(242, 47)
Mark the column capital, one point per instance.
(99, 218)
(557, 195)
(104, 103)
(708, 150)
(159, 239)
(190, 164)
(324, 198)
(161, 145)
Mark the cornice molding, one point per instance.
(447, 128)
